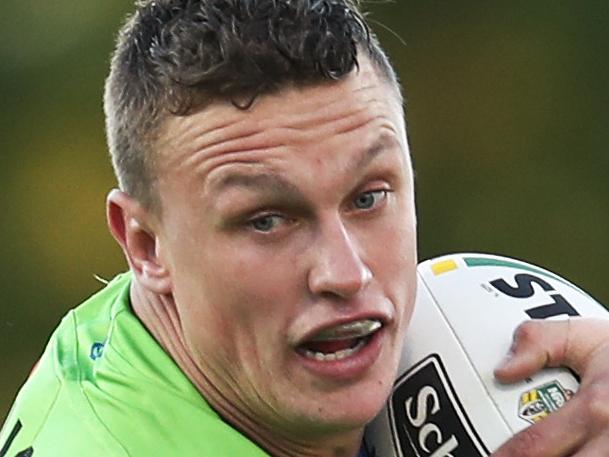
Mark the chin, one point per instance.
(349, 408)
(347, 395)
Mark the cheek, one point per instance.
(393, 240)
(237, 291)
(395, 262)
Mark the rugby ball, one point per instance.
(446, 401)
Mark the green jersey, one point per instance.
(105, 388)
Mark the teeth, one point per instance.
(355, 329)
(338, 355)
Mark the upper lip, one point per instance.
(315, 330)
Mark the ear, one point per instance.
(131, 226)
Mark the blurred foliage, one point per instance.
(508, 106)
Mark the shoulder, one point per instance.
(47, 418)
(104, 387)
(50, 415)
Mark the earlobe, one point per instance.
(130, 225)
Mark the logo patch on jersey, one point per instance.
(427, 418)
(540, 401)
(97, 350)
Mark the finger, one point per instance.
(536, 344)
(557, 435)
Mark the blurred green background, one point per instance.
(508, 106)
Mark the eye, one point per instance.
(370, 199)
(266, 223)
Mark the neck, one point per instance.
(160, 316)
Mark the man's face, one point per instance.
(289, 233)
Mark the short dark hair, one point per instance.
(176, 56)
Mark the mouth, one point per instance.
(341, 341)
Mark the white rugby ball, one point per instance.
(446, 401)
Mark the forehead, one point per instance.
(362, 108)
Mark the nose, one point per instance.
(338, 269)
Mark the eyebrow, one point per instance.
(266, 182)
(378, 147)
(271, 182)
